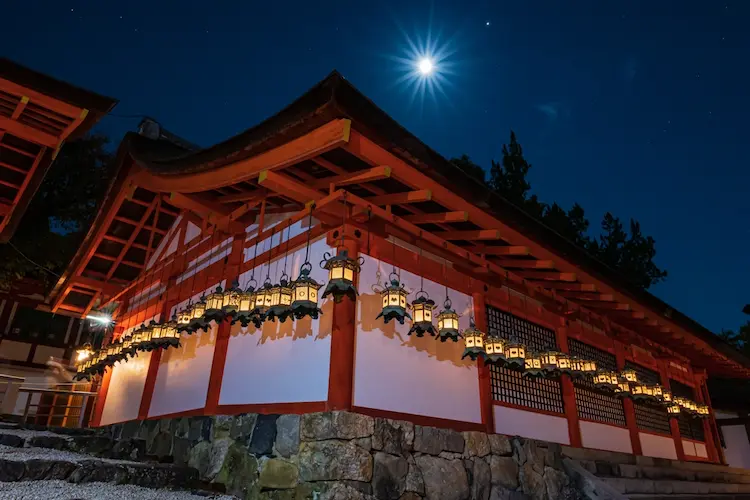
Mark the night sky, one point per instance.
(636, 107)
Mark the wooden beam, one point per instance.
(328, 165)
(288, 187)
(525, 264)
(101, 286)
(372, 174)
(146, 216)
(502, 250)
(248, 196)
(546, 275)
(438, 218)
(29, 133)
(401, 198)
(19, 108)
(578, 287)
(584, 296)
(5, 208)
(205, 209)
(615, 306)
(478, 235)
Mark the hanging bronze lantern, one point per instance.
(281, 300)
(84, 353)
(214, 306)
(630, 375)
(515, 355)
(394, 301)
(170, 332)
(184, 318)
(156, 333)
(474, 343)
(702, 410)
(657, 391)
(145, 332)
(231, 302)
(550, 361)
(342, 273)
(198, 321)
(246, 312)
(604, 380)
(448, 322)
(673, 409)
(305, 294)
(494, 347)
(622, 388)
(666, 396)
(422, 307)
(533, 365)
(563, 363)
(263, 299)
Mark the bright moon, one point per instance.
(425, 66)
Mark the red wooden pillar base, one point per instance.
(148, 386)
(627, 403)
(485, 383)
(101, 398)
(568, 392)
(343, 334)
(217, 367)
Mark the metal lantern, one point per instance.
(703, 410)
(156, 333)
(281, 300)
(549, 361)
(263, 299)
(214, 305)
(146, 333)
(604, 379)
(623, 387)
(422, 308)
(84, 353)
(515, 354)
(199, 321)
(394, 301)
(673, 409)
(681, 402)
(495, 349)
(589, 367)
(473, 343)
(231, 303)
(563, 363)
(657, 391)
(305, 294)
(533, 365)
(342, 271)
(184, 318)
(630, 375)
(447, 322)
(666, 396)
(247, 312)
(170, 334)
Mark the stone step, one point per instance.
(738, 496)
(96, 491)
(37, 464)
(628, 486)
(716, 474)
(91, 444)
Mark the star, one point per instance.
(487, 23)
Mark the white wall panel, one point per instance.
(657, 446)
(605, 437)
(529, 424)
(126, 389)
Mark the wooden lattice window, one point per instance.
(690, 427)
(510, 386)
(649, 416)
(591, 403)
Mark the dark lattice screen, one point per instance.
(649, 416)
(511, 386)
(690, 427)
(593, 404)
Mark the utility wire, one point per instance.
(37, 265)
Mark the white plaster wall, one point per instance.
(282, 362)
(605, 437)
(657, 446)
(700, 450)
(182, 379)
(126, 389)
(688, 447)
(16, 351)
(43, 353)
(399, 373)
(515, 422)
(737, 451)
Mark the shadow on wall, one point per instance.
(189, 345)
(293, 329)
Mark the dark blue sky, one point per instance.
(636, 107)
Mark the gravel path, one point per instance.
(25, 433)
(24, 454)
(61, 490)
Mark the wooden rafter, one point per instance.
(476, 235)
(525, 264)
(28, 133)
(359, 177)
(438, 218)
(418, 196)
(144, 219)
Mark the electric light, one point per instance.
(394, 301)
(703, 410)
(342, 271)
(84, 353)
(422, 307)
(184, 318)
(447, 322)
(101, 318)
(603, 379)
(473, 343)
(657, 391)
(281, 300)
(305, 294)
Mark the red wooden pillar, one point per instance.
(485, 383)
(627, 403)
(674, 425)
(101, 395)
(713, 443)
(568, 391)
(223, 331)
(343, 334)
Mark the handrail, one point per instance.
(55, 391)
(11, 378)
(11, 384)
(65, 405)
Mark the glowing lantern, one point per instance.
(622, 388)
(170, 332)
(281, 300)
(156, 333)
(657, 391)
(533, 365)
(422, 308)
(549, 361)
(305, 294)
(673, 409)
(589, 367)
(146, 333)
(630, 375)
(84, 353)
(231, 302)
(495, 349)
(515, 354)
(263, 299)
(394, 302)
(214, 305)
(648, 390)
(666, 396)
(447, 322)
(184, 318)
(198, 321)
(703, 410)
(245, 310)
(473, 343)
(563, 363)
(342, 271)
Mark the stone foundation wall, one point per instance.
(343, 455)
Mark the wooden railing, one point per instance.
(9, 386)
(57, 407)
